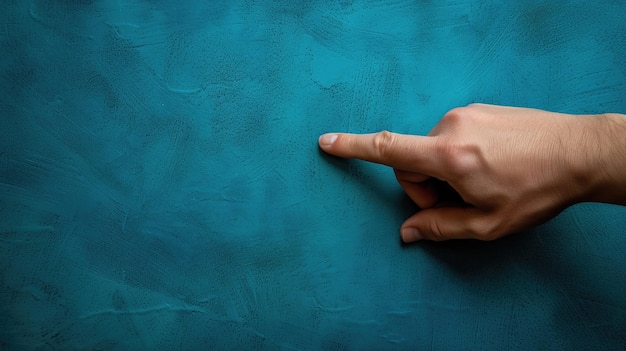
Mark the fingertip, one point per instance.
(326, 140)
(410, 235)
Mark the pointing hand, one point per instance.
(509, 168)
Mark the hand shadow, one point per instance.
(536, 267)
(383, 189)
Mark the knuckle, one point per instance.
(460, 115)
(383, 142)
(460, 159)
(484, 228)
(455, 116)
(475, 106)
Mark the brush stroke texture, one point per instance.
(161, 187)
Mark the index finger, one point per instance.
(406, 152)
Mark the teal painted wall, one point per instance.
(161, 185)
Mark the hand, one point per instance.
(507, 168)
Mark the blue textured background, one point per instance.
(161, 185)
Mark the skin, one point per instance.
(487, 171)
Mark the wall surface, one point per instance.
(161, 185)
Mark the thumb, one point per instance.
(444, 223)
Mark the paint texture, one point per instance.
(161, 185)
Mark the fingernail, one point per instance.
(410, 235)
(327, 139)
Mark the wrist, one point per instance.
(602, 150)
